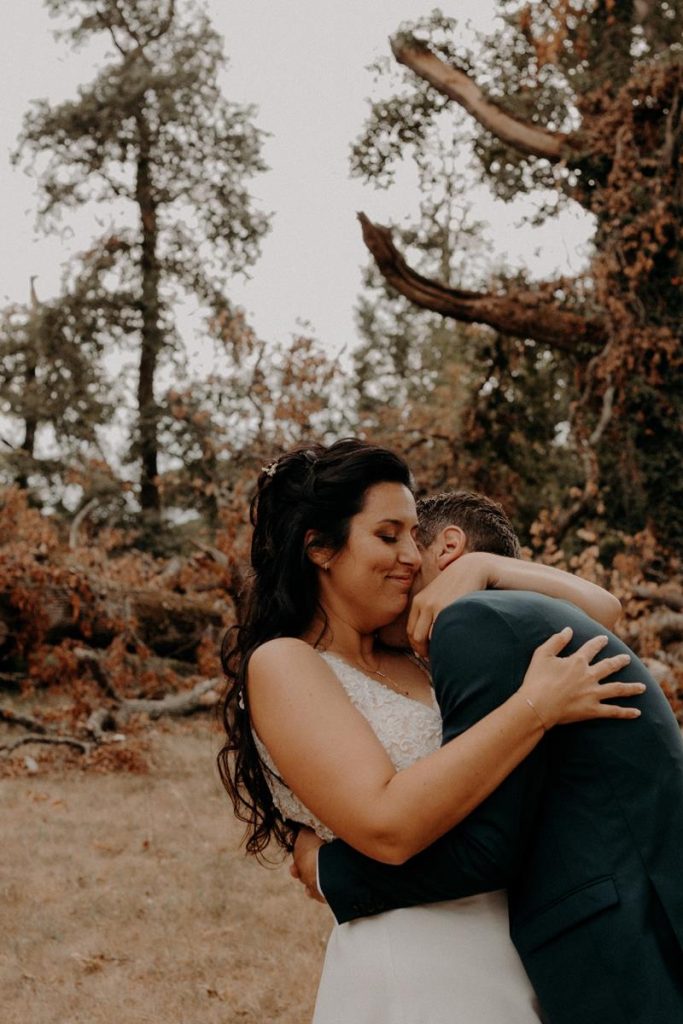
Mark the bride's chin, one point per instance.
(386, 617)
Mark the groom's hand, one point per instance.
(305, 866)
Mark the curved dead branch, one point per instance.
(104, 723)
(523, 314)
(31, 737)
(18, 718)
(523, 136)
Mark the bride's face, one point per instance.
(369, 580)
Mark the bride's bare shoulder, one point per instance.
(281, 653)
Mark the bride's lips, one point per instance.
(404, 581)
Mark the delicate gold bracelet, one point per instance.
(535, 711)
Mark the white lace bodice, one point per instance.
(407, 729)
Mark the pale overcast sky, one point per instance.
(302, 63)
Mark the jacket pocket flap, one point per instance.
(564, 913)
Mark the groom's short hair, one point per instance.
(485, 522)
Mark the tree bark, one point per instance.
(31, 421)
(171, 625)
(522, 136)
(522, 314)
(151, 341)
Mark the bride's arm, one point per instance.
(479, 570)
(329, 756)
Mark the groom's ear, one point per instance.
(451, 543)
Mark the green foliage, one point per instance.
(607, 77)
(157, 100)
(52, 376)
(259, 400)
(469, 408)
(152, 140)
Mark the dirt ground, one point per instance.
(124, 899)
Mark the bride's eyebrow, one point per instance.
(395, 522)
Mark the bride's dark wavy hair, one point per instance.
(311, 490)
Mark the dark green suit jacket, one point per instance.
(586, 834)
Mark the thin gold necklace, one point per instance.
(366, 669)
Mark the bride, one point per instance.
(328, 728)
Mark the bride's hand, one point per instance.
(472, 571)
(305, 862)
(480, 570)
(564, 690)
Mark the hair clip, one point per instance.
(269, 470)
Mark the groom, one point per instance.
(586, 834)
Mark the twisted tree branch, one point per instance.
(523, 136)
(523, 314)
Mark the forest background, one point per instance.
(131, 440)
(126, 470)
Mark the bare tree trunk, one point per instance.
(31, 421)
(152, 339)
(30, 427)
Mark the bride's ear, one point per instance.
(451, 543)
(319, 555)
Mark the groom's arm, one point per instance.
(477, 663)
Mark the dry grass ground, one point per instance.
(125, 898)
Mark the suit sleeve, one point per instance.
(477, 663)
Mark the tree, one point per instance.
(51, 373)
(469, 407)
(583, 102)
(152, 135)
(397, 356)
(259, 400)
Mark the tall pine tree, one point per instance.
(152, 140)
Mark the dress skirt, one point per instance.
(446, 963)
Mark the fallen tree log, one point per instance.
(187, 702)
(171, 625)
(162, 668)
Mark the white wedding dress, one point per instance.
(445, 963)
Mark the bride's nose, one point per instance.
(409, 553)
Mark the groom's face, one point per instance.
(429, 569)
(448, 545)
